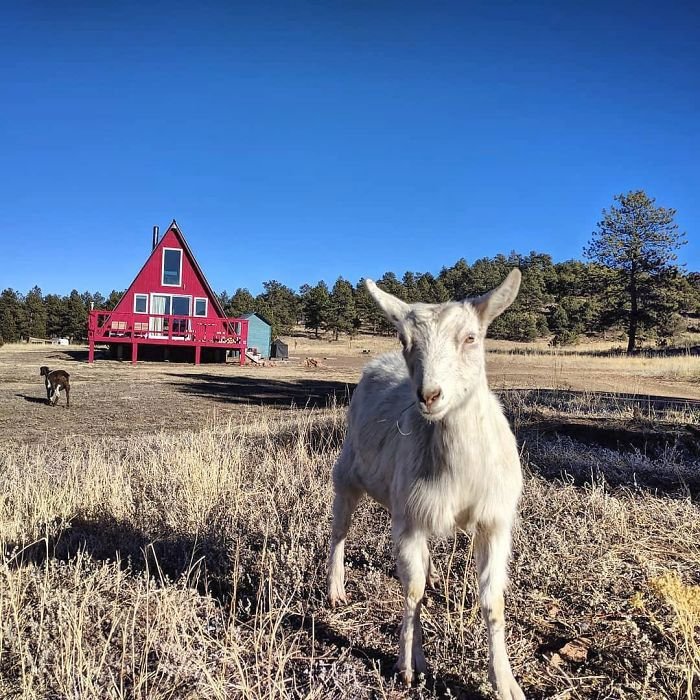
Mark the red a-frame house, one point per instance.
(169, 305)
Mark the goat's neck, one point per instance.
(463, 421)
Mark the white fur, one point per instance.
(428, 440)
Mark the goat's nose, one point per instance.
(429, 396)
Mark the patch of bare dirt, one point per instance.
(117, 398)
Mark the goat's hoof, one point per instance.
(337, 601)
(336, 596)
(405, 675)
(420, 668)
(507, 687)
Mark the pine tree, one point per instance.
(74, 317)
(638, 241)
(410, 287)
(54, 316)
(341, 315)
(12, 316)
(280, 306)
(431, 290)
(36, 313)
(316, 305)
(113, 299)
(367, 312)
(242, 302)
(8, 327)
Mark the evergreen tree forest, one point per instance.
(629, 287)
(560, 301)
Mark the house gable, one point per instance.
(171, 270)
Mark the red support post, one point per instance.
(197, 353)
(91, 351)
(134, 353)
(243, 349)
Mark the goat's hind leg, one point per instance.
(433, 578)
(344, 504)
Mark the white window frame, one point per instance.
(171, 295)
(156, 320)
(206, 307)
(145, 296)
(162, 268)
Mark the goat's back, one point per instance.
(382, 400)
(383, 393)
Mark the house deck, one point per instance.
(158, 329)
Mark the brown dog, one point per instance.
(55, 381)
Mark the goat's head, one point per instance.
(43, 371)
(443, 344)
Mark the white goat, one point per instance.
(428, 440)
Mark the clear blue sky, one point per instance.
(300, 141)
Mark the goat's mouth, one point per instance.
(432, 415)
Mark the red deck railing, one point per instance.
(161, 329)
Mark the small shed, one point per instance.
(259, 334)
(279, 350)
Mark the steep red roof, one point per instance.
(153, 262)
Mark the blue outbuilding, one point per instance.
(259, 334)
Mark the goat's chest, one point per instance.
(458, 488)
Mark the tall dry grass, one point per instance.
(192, 566)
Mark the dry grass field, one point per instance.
(166, 536)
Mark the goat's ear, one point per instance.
(393, 308)
(495, 302)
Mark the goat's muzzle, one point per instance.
(428, 399)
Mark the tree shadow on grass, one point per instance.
(264, 391)
(322, 435)
(204, 560)
(629, 440)
(70, 355)
(646, 405)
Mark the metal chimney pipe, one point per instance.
(155, 237)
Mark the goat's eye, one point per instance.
(471, 338)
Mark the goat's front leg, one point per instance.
(413, 563)
(346, 500)
(492, 550)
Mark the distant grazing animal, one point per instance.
(56, 381)
(427, 439)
